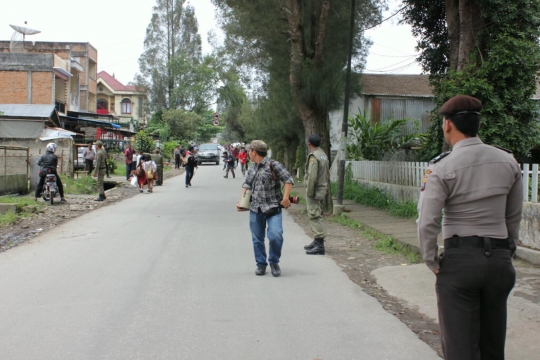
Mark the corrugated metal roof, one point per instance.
(396, 85)
(27, 110)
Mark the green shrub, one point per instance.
(85, 185)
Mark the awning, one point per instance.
(56, 133)
(91, 122)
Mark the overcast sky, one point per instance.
(116, 28)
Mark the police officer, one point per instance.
(479, 189)
(99, 172)
(158, 159)
(316, 181)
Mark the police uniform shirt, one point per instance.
(316, 175)
(479, 189)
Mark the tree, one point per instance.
(299, 43)
(488, 49)
(170, 36)
(183, 124)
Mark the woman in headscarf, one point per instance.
(48, 163)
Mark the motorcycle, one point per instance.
(50, 191)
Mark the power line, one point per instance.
(388, 18)
(399, 56)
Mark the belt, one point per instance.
(480, 242)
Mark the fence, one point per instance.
(14, 161)
(411, 174)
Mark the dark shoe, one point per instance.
(63, 200)
(186, 186)
(108, 177)
(318, 249)
(261, 270)
(100, 198)
(276, 271)
(140, 190)
(226, 177)
(310, 246)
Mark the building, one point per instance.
(386, 97)
(127, 102)
(73, 67)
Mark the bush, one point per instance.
(85, 185)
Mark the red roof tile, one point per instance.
(115, 84)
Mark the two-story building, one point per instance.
(127, 102)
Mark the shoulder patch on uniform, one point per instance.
(324, 158)
(440, 157)
(503, 149)
(424, 179)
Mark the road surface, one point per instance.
(170, 275)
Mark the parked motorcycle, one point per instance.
(50, 191)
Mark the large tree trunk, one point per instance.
(452, 24)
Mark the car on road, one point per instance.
(208, 153)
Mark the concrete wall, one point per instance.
(529, 234)
(13, 184)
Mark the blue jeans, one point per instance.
(257, 225)
(128, 171)
(189, 174)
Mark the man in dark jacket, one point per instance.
(48, 163)
(190, 165)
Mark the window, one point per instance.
(102, 105)
(126, 106)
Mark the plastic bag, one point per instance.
(134, 181)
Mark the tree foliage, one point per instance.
(495, 59)
(144, 142)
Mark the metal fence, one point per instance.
(411, 173)
(14, 169)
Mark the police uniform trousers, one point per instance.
(315, 215)
(472, 291)
(159, 171)
(100, 180)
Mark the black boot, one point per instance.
(101, 197)
(311, 246)
(318, 249)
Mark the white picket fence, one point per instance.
(411, 174)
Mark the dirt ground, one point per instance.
(51, 216)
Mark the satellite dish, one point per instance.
(19, 36)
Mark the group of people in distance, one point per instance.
(234, 155)
(147, 168)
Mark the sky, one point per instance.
(116, 28)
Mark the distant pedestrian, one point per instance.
(234, 154)
(479, 189)
(264, 179)
(106, 148)
(190, 165)
(316, 182)
(99, 172)
(150, 168)
(128, 159)
(158, 159)
(177, 157)
(229, 162)
(140, 173)
(243, 158)
(88, 156)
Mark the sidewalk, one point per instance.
(415, 284)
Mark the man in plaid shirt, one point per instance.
(264, 179)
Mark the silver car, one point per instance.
(208, 153)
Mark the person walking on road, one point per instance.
(316, 181)
(177, 157)
(99, 172)
(264, 179)
(479, 188)
(128, 158)
(158, 160)
(190, 165)
(140, 173)
(48, 164)
(88, 156)
(243, 158)
(229, 162)
(150, 171)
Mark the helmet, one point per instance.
(51, 147)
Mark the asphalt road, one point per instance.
(170, 275)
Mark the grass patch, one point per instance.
(373, 197)
(11, 217)
(384, 243)
(86, 185)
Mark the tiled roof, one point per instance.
(115, 84)
(396, 85)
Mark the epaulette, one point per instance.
(503, 149)
(439, 158)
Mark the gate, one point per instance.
(14, 171)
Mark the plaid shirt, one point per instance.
(266, 192)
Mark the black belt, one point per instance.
(480, 242)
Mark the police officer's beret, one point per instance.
(461, 104)
(314, 139)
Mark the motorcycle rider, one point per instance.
(48, 163)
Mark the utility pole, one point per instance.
(345, 124)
